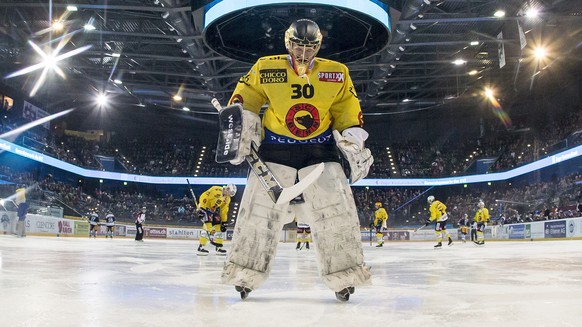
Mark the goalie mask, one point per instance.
(378, 205)
(430, 199)
(231, 188)
(303, 40)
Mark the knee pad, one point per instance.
(257, 231)
(331, 211)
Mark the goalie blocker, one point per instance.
(236, 139)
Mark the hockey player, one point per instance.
(93, 224)
(311, 103)
(139, 220)
(110, 223)
(481, 218)
(464, 226)
(214, 205)
(303, 235)
(380, 223)
(20, 201)
(438, 215)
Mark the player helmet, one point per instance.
(481, 204)
(143, 209)
(430, 199)
(378, 204)
(231, 189)
(303, 40)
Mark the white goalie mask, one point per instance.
(303, 40)
(231, 188)
(430, 199)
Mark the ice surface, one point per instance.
(49, 281)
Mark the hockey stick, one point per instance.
(278, 193)
(419, 228)
(209, 235)
(193, 195)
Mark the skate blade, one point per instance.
(202, 254)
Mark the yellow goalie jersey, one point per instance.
(301, 110)
(214, 201)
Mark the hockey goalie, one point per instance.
(313, 116)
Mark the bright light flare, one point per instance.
(540, 53)
(27, 126)
(102, 99)
(49, 62)
(58, 26)
(489, 93)
(497, 109)
(532, 13)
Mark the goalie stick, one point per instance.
(278, 193)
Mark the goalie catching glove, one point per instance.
(351, 144)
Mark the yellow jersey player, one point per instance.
(438, 215)
(380, 220)
(213, 211)
(481, 218)
(312, 111)
(303, 236)
(464, 226)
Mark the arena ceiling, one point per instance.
(144, 52)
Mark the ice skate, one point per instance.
(439, 245)
(220, 251)
(244, 291)
(380, 245)
(478, 243)
(202, 251)
(344, 295)
(298, 247)
(450, 242)
(307, 246)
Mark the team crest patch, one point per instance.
(268, 76)
(302, 119)
(336, 77)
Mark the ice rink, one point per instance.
(50, 281)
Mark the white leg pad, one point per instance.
(330, 210)
(257, 231)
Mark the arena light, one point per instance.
(89, 27)
(72, 8)
(499, 13)
(540, 53)
(50, 60)
(459, 62)
(489, 93)
(102, 100)
(532, 13)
